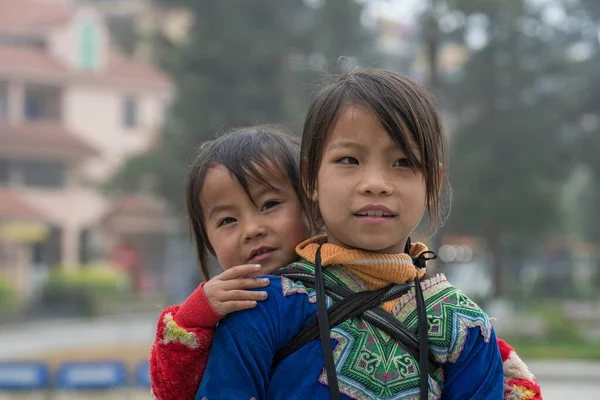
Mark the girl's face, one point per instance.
(241, 231)
(368, 197)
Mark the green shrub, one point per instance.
(9, 298)
(82, 289)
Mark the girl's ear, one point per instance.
(440, 183)
(441, 179)
(313, 196)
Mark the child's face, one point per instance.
(368, 197)
(241, 232)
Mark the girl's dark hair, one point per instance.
(242, 152)
(404, 108)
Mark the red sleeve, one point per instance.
(196, 311)
(180, 351)
(519, 382)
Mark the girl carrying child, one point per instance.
(373, 160)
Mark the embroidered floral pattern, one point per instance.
(289, 287)
(371, 365)
(450, 314)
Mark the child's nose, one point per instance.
(254, 228)
(376, 184)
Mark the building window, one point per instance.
(44, 174)
(4, 172)
(8, 256)
(130, 112)
(34, 106)
(4, 104)
(87, 41)
(49, 251)
(42, 102)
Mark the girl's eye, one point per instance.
(347, 161)
(403, 162)
(269, 204)
(226, 221)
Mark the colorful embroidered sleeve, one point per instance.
(477, 374)
(180, 351)
(461, 339)
(519, 382)
(245, 343)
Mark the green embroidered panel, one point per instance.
(372, 365)
(449, 315)
(369, 363)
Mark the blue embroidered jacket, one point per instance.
(370, 365)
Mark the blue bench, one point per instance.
(92, 376)
(24, 376)
(142, 375)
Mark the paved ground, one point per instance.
(130, 337)
(38, 338)
(568, 380)
(570, 391)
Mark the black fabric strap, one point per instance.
(323, 319)
(349, 307)
(420, 262)
(376, 316)
(367, 305)
(422, 332)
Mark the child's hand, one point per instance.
(225, 292)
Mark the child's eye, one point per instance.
(403, 162)
(269, 204)
(347, 160)
(226, 221)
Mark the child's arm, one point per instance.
(184, 333)
(518, 380)
(478, 373)
(179, 352)
(245, 343)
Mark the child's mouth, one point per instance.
(374, 216)
(374, 213)
(261, 254)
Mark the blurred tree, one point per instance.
(586, 107)
(433, 40)
(511, 153)
(120, 27)
(337, 32)
(123, 33)
(329, 39)
(241, 65)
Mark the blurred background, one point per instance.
(102, 103)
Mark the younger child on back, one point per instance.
(244, 208)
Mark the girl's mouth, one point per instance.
(261, 253)
(374, 213)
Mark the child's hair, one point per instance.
(240, 151)
(404, 109)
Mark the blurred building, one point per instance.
(143, 20)
(72, 108)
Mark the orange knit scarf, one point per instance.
(376, 269)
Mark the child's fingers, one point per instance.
(232, 306)
(244, 283)
(235, 300)
(240, 271)
(242, 295)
